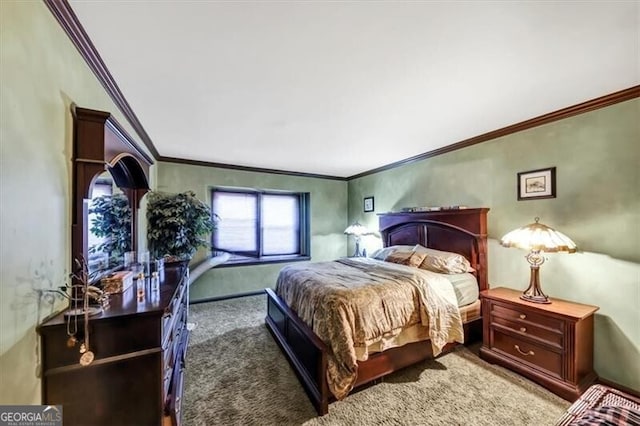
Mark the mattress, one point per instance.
(465, 286)
(414, 333)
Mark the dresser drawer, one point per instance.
(174, 312)
(169, 353)
(550, 337)
(173, 403)
(167, 374)
(529, 352)
(174, 338)
(524, 316)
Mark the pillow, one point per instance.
(444, 262)
(405, 257)
(381, 254)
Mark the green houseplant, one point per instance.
(177, 225)
(112, 224)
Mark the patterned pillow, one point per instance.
(405, 257)
(382, 253)
(443, 262)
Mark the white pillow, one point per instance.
(406, 257)
(381, 254)
(444, 262)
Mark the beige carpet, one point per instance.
(236, 375)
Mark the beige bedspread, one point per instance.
(358, 301)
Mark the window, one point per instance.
(261, 226)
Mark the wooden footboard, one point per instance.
(306, 353)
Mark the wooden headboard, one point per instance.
(460, 231)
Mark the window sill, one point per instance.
(249, 261)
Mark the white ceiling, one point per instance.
(342, 87)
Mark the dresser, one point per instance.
(139, 346)
(551, 344)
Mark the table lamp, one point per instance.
(537, 238)
(357, 230)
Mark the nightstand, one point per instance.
(551, 344)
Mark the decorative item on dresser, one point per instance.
(136, 376)
(178, 225)
(537, 238)
(551, 344)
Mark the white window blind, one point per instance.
(280, 224)
(238, 225)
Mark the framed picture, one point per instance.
(368, 204)
(536, 184)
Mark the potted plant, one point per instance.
(111, 225)
(177, 225)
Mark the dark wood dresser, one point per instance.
(139, 346)
(551, 344)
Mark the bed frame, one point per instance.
(461, 231)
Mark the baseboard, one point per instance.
(226, 297)
(619, 387)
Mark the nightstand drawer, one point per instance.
(529, 352)
(551, 337)
(519, 315)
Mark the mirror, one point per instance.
(109, 222)
(105, 203)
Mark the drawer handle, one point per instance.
(522, 316)
(523, 353)
(523, 329)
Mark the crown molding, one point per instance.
(68, 20)
(248, 169)
(597, 103)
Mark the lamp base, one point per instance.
(357, 253)
(534, 293)
(535, 299)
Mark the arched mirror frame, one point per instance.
(99, 144)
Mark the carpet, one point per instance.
(236, 375)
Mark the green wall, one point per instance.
(328, 221)
(41, 74)
(597, 156)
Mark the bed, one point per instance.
(460, 231)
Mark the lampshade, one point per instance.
(357, 230)
(537, 238)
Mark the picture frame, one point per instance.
(537, 184)
(368, 204)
